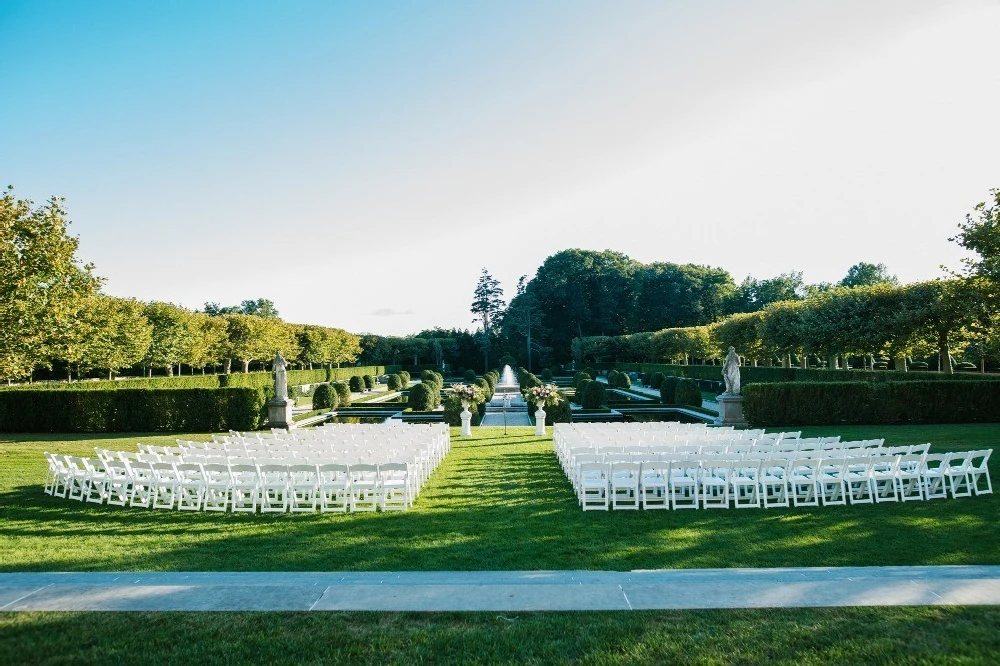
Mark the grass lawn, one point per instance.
(822, 637)
(498, 503)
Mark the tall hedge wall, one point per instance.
(871, 403)
(132, 410)
(237, 379)
(752, 375)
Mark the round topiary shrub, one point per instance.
(484, 386)
(406, 378)
(427, 374)
(581, 390)
(590, 371)
(656, 380)
(421, 398)
(469, 376)
(369, 382)
(579, 377)
(343, 394)
(356, 384)
(323, 396)
(667, 391)
(395, 382)
(491, 380)
(687, 393)
(546, 375)
(593, 398)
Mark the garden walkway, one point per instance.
(510, 591)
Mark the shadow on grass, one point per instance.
(495, 504)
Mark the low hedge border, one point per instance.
(132, 410)
(871, 403)
(754, 375)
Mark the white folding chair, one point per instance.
(364, 487)
(744, 483)
(624, 485)
(218, 486)
(714, 483)
(334, 487)
(244, 488)
(856, 478)
(653, 484)
(141, 476)
(593, 485)
(909, 477)
(682, 483)
(119, 482)
(803, 481)
(957, 474)
(273, 488)
(932, 477)
(774, 483)
(303, 488)
(190, 486)
(830, 481)
(164, 485)
(77, 478)
(394, 480)
(979, 471)
(882, 476)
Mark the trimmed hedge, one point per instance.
(422, 397)
(871, 403)
(687, 393)
(558, 413)
(356, 384)
(469, 376)
(593, 397)
(668, 390)
(581, 390)
(325, 397)
(343, 394)
(132, 410)
(752, 375)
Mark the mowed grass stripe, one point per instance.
(793, 637)
(496, 503)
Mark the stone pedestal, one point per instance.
(466, 419)
(540, 422)
(279, 413)
(731, 411)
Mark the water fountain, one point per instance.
(507, 406)
(508, 382)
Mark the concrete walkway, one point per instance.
(502, 590)
(655, 393)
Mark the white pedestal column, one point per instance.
(279, 413)
(731, 411)
(540, 422)
(466, 419)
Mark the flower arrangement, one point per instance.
(543, 396)
(467, 392)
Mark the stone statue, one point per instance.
(731, 372)
(280, 377)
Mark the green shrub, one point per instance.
(132, 410)
(485, 387)
(395, 382)
(428, 375)
(872, 403)
(656, 380)
(406, 378)
(593, 398)
(369, 382)
(581, 390)
(422, 397)
(323, 397)
(527, 380)
(491, 379)
(687, 393)
(356, 384)
(668, 389)
(558, 413)
(343, 394)
(619, 380)
(546, 375)
(453, 411)
(469, 376)
(579, 377)
(591, 371)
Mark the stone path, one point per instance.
(502, 590)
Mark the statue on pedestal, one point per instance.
(280, 377)
(731, 372)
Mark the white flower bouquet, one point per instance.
(543, 396)
(467, 392)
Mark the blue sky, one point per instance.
(359, 163)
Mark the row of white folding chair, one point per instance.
(714, 483)
(239, 487)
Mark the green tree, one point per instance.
(170, 336)
(208, 343)
(43, 285)
(980, 234)
(753, 295)
(120, 333)
(487, 305)
(863, 274)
